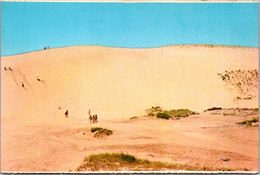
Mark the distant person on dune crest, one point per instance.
(67, 113)
(5, 68)
(22, 84)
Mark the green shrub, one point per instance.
(159, 113)
(248, 122)
(254, 120)
(180, 112)
(100, 131)
(151, 114)
(117, 162)
(95, 129)
(163, 115)
(128, 158)
(214, 108)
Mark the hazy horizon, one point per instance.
(30, 26)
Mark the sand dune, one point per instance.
(116, 84)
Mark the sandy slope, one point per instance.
(116, 84)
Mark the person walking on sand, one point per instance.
(95, 119)
(67, 114)
(90, 118)
(5, 68)
(22, 84)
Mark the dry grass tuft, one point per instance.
(99, 132)
(121, 161)
(249, 122)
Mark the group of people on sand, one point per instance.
(38, 79)
(92, 118)
(8, 68)
(46, 47)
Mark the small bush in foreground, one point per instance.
(121, 161)
(163, 115)
(128, 158)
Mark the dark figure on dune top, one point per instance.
(22, 84)
(67, 113)
(10, 68)
(5, 68)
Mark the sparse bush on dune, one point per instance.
(128, 158)
(151, 114)
(154, 109)
(245, 109)
(99, 132)
(243, 82)
(163, 115)
(242, 109)
(181, 113)
(121, 161)
(133, 118)
(95, 129)
(249, 122)
(214, 108)
(227, 114)
(167, 114)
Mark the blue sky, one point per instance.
(29, 26)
